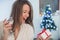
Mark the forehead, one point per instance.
(26, 7)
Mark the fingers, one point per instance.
(5, 22)
(7, 25)
(40, 38)
(48, 37)
(7, 28)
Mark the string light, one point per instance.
(48, 21)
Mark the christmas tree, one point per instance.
(48, 22)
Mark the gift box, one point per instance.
(44, 34)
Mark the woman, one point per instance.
(22, 26)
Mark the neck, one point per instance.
(23, 21)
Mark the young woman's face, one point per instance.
(25, 13)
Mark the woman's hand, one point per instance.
(7, 28)
(40, 38)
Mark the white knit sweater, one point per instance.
(26, 33)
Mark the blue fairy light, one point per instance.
(43, 21)
(48, 5)
(48, 16)
(48, 25)
(49, 8)
(51, 26)
(41, 24)
(50, 21)
(54, 27)
(47, 11)
(47, 20)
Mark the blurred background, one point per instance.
(6, 7)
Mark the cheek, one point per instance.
(25, 16)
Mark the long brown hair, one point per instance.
(17, 12)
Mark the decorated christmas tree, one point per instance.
(47, 21)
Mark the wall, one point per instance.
(5, 8)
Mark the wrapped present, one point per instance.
(44, 34)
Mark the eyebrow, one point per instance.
(25, 10)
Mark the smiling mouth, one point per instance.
(24, 18)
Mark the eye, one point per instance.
(25, 12)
